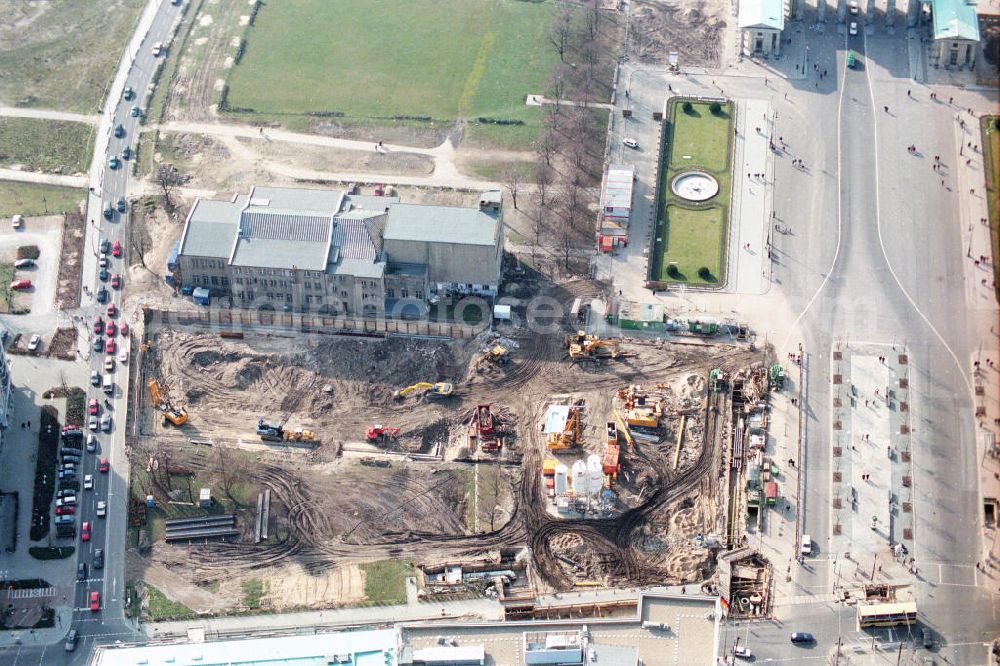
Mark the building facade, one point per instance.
(761, 23)
(337, 253)
(956, 33)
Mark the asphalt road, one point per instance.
(107, 625)
(875, 256)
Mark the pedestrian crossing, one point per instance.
(34, 593)
(800, 599)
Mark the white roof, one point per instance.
(618, 186)
(555, 418)
(762, 14)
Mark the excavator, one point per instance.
(570, 434)
(276, 432)
(497, 354)
(160, 393)
(591, 347)
(438, 390)
(380, 433)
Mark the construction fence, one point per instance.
(238, 321)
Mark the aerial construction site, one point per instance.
(506, 464)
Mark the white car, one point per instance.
(852, 7)
(630, 142)
(109, 364)
(92, 423)
(123, 356)
(807, 544)
(34, 342)
(853, 29)
(17, 221)
(102, 509)
(88, 482)
(742, 652)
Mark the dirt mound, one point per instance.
(249, 374)
(207, 358)
(392, 361)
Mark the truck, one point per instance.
(201, 296)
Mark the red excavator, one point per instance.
(380, 434)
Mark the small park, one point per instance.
(691, 233)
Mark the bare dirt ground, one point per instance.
(68, 286)
(692, 29)
(329, 510)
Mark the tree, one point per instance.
(140, 241)
(557, 84)
(561, 30)
(543, 178)
(593, 19)
(168, 177)
(512, 178)
(547, 145)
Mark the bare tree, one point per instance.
(561, 30)
(558, 81)
(168, 177)
(140, 241)
(543, 178)
(593, 18)
(547, 145)
(512, 179)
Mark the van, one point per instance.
(109, 384)
(157, 49)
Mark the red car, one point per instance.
(95, 601)
(104, 466)
(98, 324)
(92, 407)
(110, 329)
(20, 284)
(85, 531)
(116, 281)
(116, 249)
(124, 329)
(65, 510)
(112, 310)
(109, 347)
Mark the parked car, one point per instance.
(119, 131)
(98, 344)
(92, 423)
(102, 295)
(109, 347)
(104, 466)
(121, 205)
(103, 274)
(17, 222)
(742, 652)
(126, 155)
(927, 637)
(102, 509)
(88, 482)
(70, 643)
(27, 262)
(128, 93)
(116, 281)
(802, 637)
(92, 406)
(98, 324)
(104, 262)
(852, 7)
(64, 493)
(91, 442)
(99, 558)
(123, 354)
(108, 211)
(110, 329)
(116, 247)
(64, 520)
(109, 364)
(34, 342)
(112, 310)
(807, 545)
(65, 510)
(105, 245)
(630, 142)
(66, 501)
(123, 329)
(95, 601)
(66, 474)
(113, 162)
(157, 49)
(106, 424)
(135, 112)
(18, 285)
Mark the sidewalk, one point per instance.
(750, 218)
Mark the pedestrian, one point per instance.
(972, 190)
(786, 94)
(950, 100)
(670, 87)
(908, 94)
(866, 403)
(968, 161)
(824, 72)
(748, 175)
(376, 147)
(886, 109)
(380, 144)
(765, 80)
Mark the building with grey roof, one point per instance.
(956, 33)
(339, 253)
(761, 23)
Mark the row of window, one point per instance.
(207, 263)
(403, 293)
(213, 280)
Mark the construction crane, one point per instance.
(569, 436)
(276, 432)
(160, 393)
(381, 433)
(438, 390)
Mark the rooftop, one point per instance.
(211, 227)
(365, 648)
(441, 224)
(955, 19)
(618, 186)
(762, 14)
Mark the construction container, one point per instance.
(610, 461)
(562, 479)
(549, 466)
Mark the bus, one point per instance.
(887, 615)
(851, 59)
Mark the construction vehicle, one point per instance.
(438, 390)
(483, 430)
(569, 436)
(276, 432)
(591, 347)
(777, 376)
(497, 354)
(379, 433)
(375, 462)
(609, 462)
(160, 393)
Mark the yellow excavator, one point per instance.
(583, 346)
(570, 434)
(438, 390)
(160, 394)
(497, 354)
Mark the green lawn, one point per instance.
(443, 59)
(161, 608)
(385, 581)
(6, 276)
(62, 55)
(693, 236)
(53, 146)
(34, 199)
(991, 148)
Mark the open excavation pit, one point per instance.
(418, 497)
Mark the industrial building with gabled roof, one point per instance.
(343, 254)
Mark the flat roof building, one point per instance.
(955, 32)
(761, 23)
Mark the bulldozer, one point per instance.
(438, 390)
(380, 434)
(497, 355)
(160, 393)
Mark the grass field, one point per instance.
(62, 55)
(385, 581)
(51, 146)
(34, 199)
(437, 59)
(161, 608)
(991, 148)
(693, 236)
